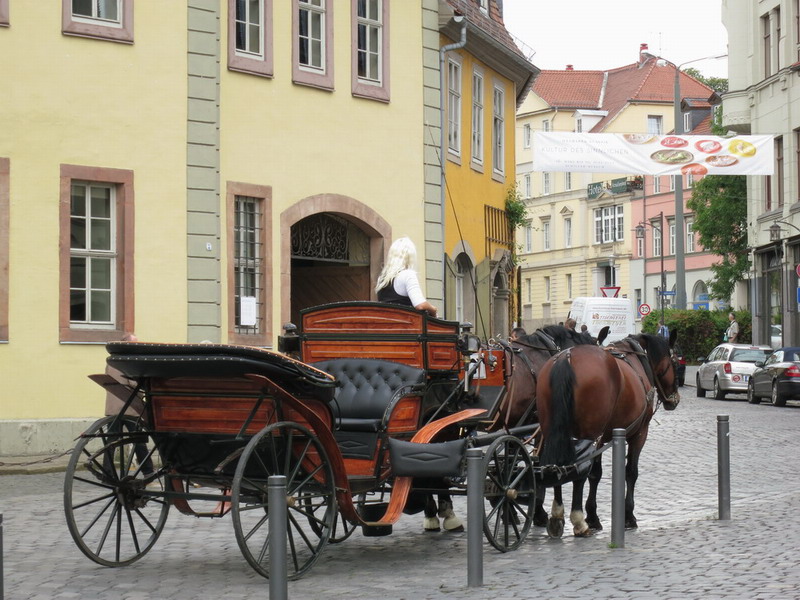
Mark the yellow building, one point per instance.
(580, 229)
(485, 77)
(201, 171)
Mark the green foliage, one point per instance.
(515, 208)
(718, 84)
(719, 203)
(699, 331)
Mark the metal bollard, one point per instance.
(618, 488)
(724, 467)
(276, 489)
(475, 486)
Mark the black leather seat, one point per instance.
(366, 391)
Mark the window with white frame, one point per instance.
(656, 184)
(547, 289)
(527, 180)
(250, 36)
(545, 125)
(689, 180)
(370, 68)
(608, 224)
(110, 20)
(578, 125)
(93, 255)
(672, 182)
(526, 135)
(568, 232)
(690, 235)
(546, 183)
(687, 122)
(619, 215)
(528, 237)
(545, 235)
(656, 240)
(484, 6)
(96, 258)
(569, 285)
(454, 107)
(640, 247)
(498, 131)
(477, 117)
(312, 51)
(567, 181)
(655, 124)
(672, 237)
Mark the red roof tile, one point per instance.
(615, 89)
(492, 23)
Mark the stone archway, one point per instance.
(349, 211)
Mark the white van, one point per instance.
(597, 312)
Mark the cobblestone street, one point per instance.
(679, 551)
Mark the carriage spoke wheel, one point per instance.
(292, 450)
(113, 488)
(340, 530)
(509, 493)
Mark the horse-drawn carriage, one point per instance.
(370, 418)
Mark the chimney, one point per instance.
(569, 68)
(642, 50)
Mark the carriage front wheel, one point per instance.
(113, 492)
(292, 450)
(509, 493)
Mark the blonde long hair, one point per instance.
(402, 255)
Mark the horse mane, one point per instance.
(655, 345)
(565, 337)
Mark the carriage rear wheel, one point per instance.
(112, 488)
(509, 493)
(292, 450)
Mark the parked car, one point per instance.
(728, 368)
(681, 372)
(777, 378)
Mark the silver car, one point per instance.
(728, 368)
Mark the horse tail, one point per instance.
(558, 448)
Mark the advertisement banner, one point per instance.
(645, 154)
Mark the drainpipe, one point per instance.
(443, 135)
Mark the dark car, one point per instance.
(777, 378)
(681, 372)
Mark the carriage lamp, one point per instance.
(469, 344)
(640, 231)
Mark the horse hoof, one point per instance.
(458, 529)
(540, 519)
(431, 524)
(632, 524)
(583, 534)
(555, 528)
(595, 525)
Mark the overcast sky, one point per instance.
(604, 34)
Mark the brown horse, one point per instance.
(585, 393)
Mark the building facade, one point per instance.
(764, 84)
(485, 76)
(200, 171)
(581, 234)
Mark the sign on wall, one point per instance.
(645, 154)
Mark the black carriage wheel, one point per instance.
(341, 529)
(113, 492)
(292, 450)
(509, 493)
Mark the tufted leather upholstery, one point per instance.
(366, 389)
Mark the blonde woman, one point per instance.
(398, 283)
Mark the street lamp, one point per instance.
(680, 263)
(775, 230)
(640, 234)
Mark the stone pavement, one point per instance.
(680, 551)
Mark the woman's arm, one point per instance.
(408, 279)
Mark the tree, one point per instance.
(718, 84)
(719, 203)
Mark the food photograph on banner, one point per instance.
(653, 154)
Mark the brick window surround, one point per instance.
(81, 28)
(323, 80)
(253, 65)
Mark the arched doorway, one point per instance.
(332, 248)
